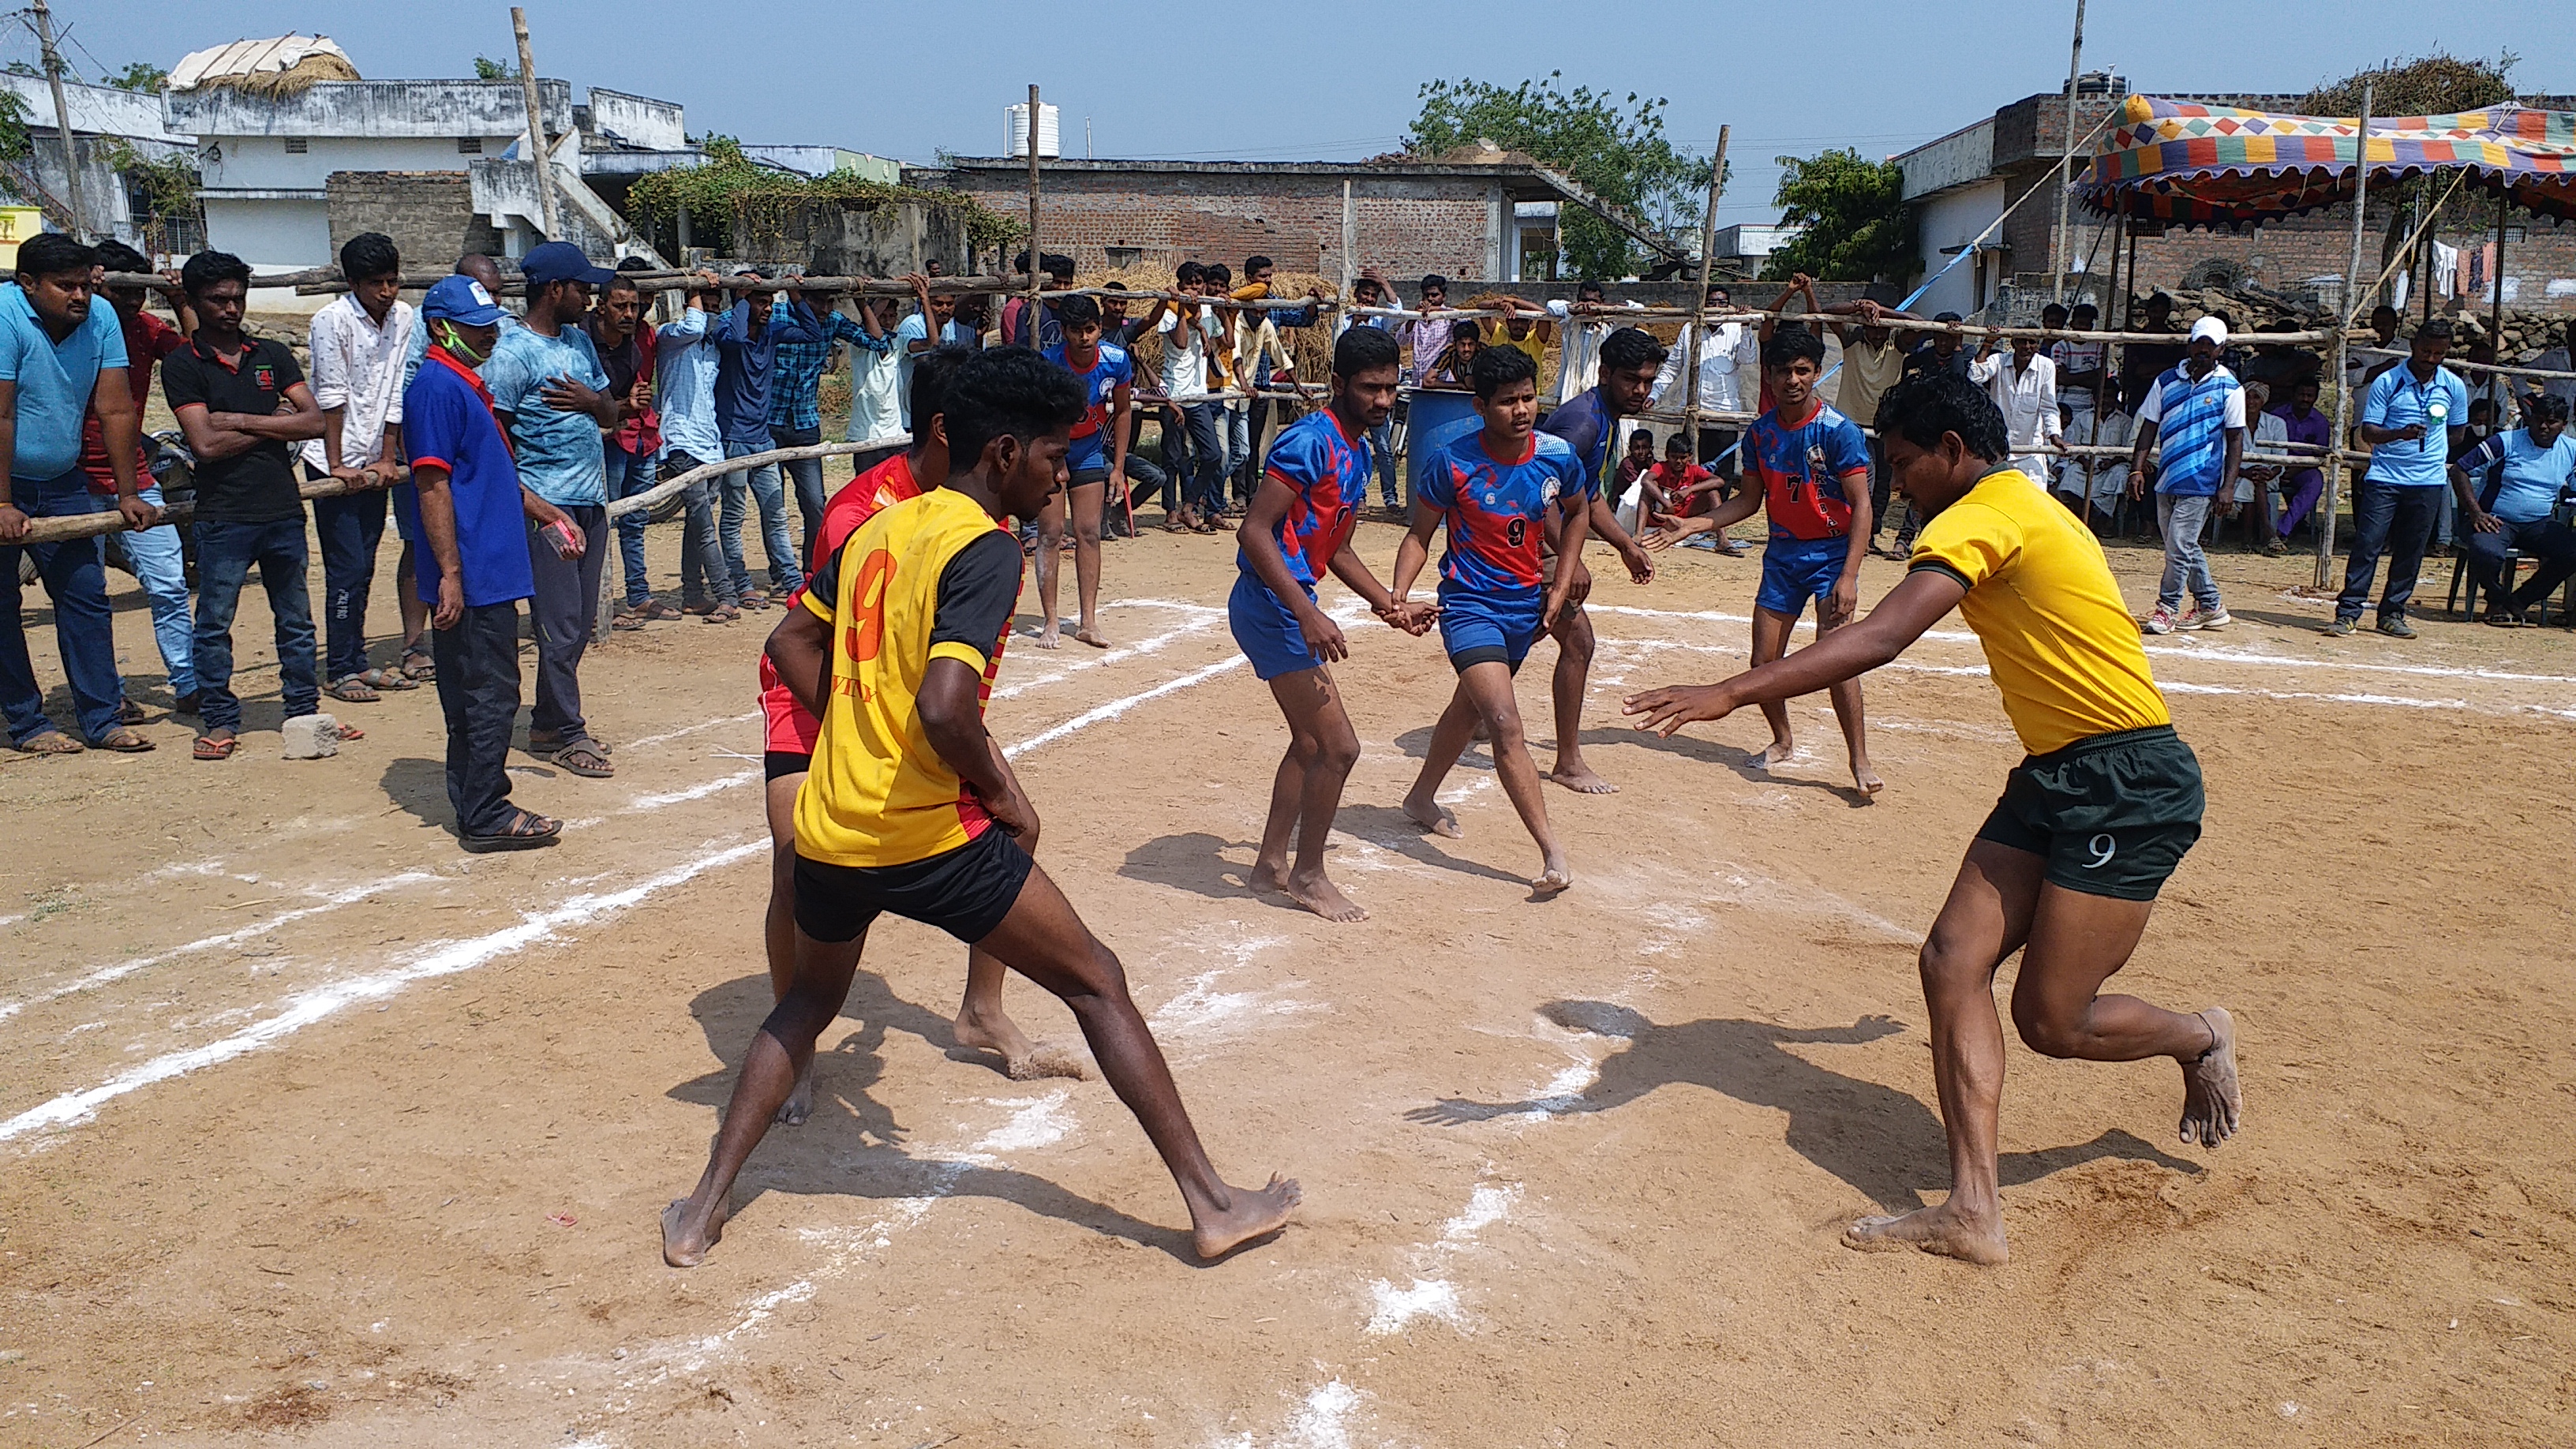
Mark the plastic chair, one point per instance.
(2461, 577)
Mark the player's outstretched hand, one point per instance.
(1670, 530)
(1641, 567)
(1668, 709)
(1323, 637)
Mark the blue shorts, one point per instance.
(1480, 628)
(1088, 460)
(1266, 630)
(1795, 570)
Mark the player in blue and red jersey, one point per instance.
(1292, 534)
(1097, 466)
(1631, 359)
(1502, 493)
(1809, 467)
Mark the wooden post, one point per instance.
(1699, 305)
(2065, 165)
(2343, 386)
(536, 126)
(2495, 311)
(1035, 264)
(78, 221)
(1350, 242)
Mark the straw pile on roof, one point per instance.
(276, 69)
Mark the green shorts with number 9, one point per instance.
(2111, 815)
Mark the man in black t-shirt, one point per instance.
(242, 402)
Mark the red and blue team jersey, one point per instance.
(1802, 468)
(1497, 510)
(1584, 422)
(1330, 471)
(1100, 382)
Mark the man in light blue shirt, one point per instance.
(684, 384)
(2412, 417)
(2509, 487)
(552, 399)
(61, 355)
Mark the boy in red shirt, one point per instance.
(158, 559)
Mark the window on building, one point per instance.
(295, 145)
(469, 145)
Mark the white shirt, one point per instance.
(2271, 435)
(2111, 429)
(1184, 370)
(1579, 364)
(877, 395)
(2028, 396)
(1732, 351)
(358, 368)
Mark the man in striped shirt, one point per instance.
(2197, 409)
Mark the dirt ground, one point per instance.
(319, 1132)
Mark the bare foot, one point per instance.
(2211, 1103)
(1579, 778)
(1267, 876)
(1952, 1233)
(1433, 816)
(1324, 898)
(1092, 637)
(1866, 778)
(1781, 752)
(686, 1237)
(1022, 1060)
(1554, 875)
(1048, 638)
(1253, 1214)
(800, 1102)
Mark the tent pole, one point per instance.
(2495, 310)
(2343, 383)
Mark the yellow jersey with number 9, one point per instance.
(902, 591)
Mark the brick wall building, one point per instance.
(429, 214)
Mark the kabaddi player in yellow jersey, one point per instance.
(2090, 824)
(910, 807)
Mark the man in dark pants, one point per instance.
(2413, 418)
(474, 515)
(62, 355)
(358, 346)
(553, 401)
(243, 404)
(625, 348)
(795, 411)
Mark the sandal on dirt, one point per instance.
(654, 611)
(422, 671)
(352, 689)
(2507, 619)
(387, 679)
(51, 742)
(129, 713)
(527, 831)
(584, 758)
(123, 741)
(723, 614)
(217, 747)
(626, 621)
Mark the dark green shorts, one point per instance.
(2111, 815)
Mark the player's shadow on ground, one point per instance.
(1194, 861)
(852, 1146)
(419, 788)
(1879, 1140)
(1741, 761)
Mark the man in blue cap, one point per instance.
(474, 515)
(552, 397)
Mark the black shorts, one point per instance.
(779, 764)
(2112, 815)
(965, 892)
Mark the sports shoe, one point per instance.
(2161, 621)
(2217, 618)
(2341, 627)
(2397, 628)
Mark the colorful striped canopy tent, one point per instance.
(2195, 165)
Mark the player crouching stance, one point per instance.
(2067, 867)
(1311, 490)
(1502, 491)
(910, 807)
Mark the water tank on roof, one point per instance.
(1015, 129)
(2099, 83)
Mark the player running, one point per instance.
(1631, 359)
(2067, 867)
(911, 807)
(1294, 529)
(1502, 493)
(1810, 469)
(1098, 464)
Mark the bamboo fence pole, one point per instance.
(2352, 302)
(1699, 304)
(538, 152)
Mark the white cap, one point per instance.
(2211, 328)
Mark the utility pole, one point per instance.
(2066, 164)
(1034, 263)
(536, 127)
(53, 58)
(2347, 310)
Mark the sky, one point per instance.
(1329, 79)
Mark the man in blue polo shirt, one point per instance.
(552, 398)
(473, 516)
(2509, 487)
(60, 356)
(2413, 418)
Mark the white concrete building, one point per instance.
(102, 117)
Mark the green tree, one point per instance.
(1856, 225)
(488, 69)
(1616, 148)
(138, 75)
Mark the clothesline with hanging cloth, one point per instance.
(2189, 164)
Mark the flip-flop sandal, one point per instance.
(51, 742)
(527, 831)
(352, 690)
(216, 747)
(387, 679)
(723, 614)
(422, 672)
(657, 612)
(129, 713)
(2503, 620)
(583, 758)
(123, 741)
(626, 621)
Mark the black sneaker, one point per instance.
(2397, 628)
(2341, 627)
